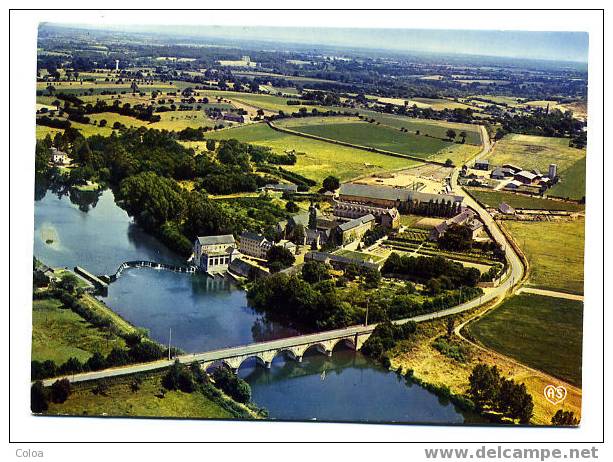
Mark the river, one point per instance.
(90, 230)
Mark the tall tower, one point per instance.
(116, 65)
(553, 171)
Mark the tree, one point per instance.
(178, 377)
(456, 238)
(39, 402)
(313, 271)
(448, 163)
(312, 217)
(292, 207)
(564, 419)
(210, 145)
(60, 390)
(484, 385)
(280, 256)
(463, 135)
(331, 183)
(102, 123)
(68, 282)
(450, 324)
(298, 235)
(451, 134)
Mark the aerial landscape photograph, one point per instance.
(366, 226)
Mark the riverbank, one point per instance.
(431, 367)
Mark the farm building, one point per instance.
(231, 117)
(482, 164)
(506, 209)
(214, 253)
(513, 168)
(500, 173)
(514, 185)
(525, 177)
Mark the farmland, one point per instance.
(537, 152)
(520, 201)
(316, 159)
(364, 134)
(555, 252)
(542, 332)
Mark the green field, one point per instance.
(316, 159)
(267, 102)
(435, 128)
(522, 201)
(112, 117)
(555, 252)
(349, 130)
(59, 334)
(541, 332)
(119, 400)
(537, 152)
(572, 184)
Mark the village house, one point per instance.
(466, 217)
(281, 187)
(342, 261)
(254, 245)
(59, 157)
(513, 185)
(213, 254)
(482, 164)
(513, 168)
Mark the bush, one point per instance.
(39, 402)
(60, 390)
(232, 385)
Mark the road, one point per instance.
(516, 273)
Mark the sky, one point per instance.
(555, 46)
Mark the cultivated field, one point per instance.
(522, 201)
(555, 252)
(316, 159)
(572, 184)
(541, 332)
(349, 130)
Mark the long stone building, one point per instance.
(213, 254)
(390, 197)
(386, 217)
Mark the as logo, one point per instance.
(555, 395)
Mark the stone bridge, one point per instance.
(292, 347)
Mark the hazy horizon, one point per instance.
(550, 46)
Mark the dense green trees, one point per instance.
(279, 258)
(489, 390)
(313, 271)
(450, 274)
(564, 418)
(232, 385)
(457, 238)
(331, 183)
(384, 337)
(151, 199)
(39, 401)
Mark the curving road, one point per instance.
(515, 274)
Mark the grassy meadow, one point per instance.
(59, 334)
(541, 332)
(148, 401)
(316, 159)
(522, 201)
(555, 252)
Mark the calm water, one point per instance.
(90, 230)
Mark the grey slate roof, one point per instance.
(250, 235)
(356, 222)
(215, 240)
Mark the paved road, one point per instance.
(549, 293)
(515, 275)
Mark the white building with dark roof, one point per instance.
(213, 254)
(253, 244)
(354, 230)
